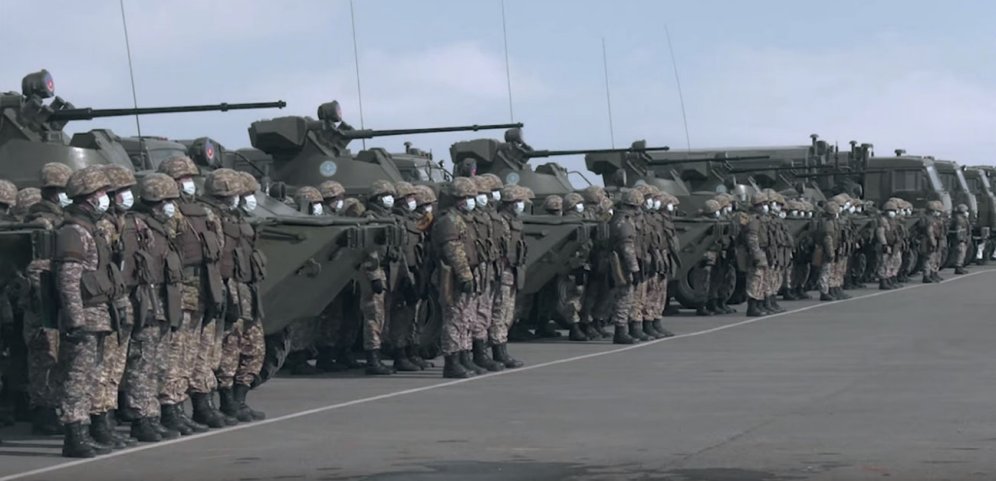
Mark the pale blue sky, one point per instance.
(915, 75)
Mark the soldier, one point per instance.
(752, 252)
(404, 305)
(199, 239)
(596, 289)
(8, 289)
(888, 244)
(41, 334)
(26, 198)
(624, 264)
(846, 246)
(485, 224)
(87, 279)
(961, 230)
(309, 201)
(455, 244)
(931, 244)
(425, 197)
(711, 210)
(511, 271)
(782, 247)
(242, 268)
(570, 285)
(803, 255)
(664, 258)
(828, 248)
(381, 269)
(553, 205)
(333, 197)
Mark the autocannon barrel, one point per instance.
(710, 159)
(89, 113)
(553, 153)
(369, 133)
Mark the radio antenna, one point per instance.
(356, 64)
(677, 81)
(134, 94)
(608, 98)
(508, 75)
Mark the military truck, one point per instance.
(979, 183)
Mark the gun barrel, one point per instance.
(369, 133)
(553, 153)
(710, 159)
(89, 113)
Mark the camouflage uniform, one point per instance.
(712, 210)
(405, 305)
(512, 271)
(961, 230)
(483, 222)
(933, 231)
(888, 244)
(570, 285)
(10, 289)
(664, 248)
(382, 272)
(752, 254)
(828, 249)
(802, 258)
(624, 263)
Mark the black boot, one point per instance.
(229, 420)
(712, 307)
(936, 277)
(927, 279)
(648, 330)
(467, 359)
(754, 308)
(576, 334)
(960, 270)
(702, 311)
(100, 431)
(416, 359)
(203, 413)
(589, 331)
(636, 331)
(143, 430)
(773, 301)
(800, 294)
(883, 285)
(402, 363)
(500, 353)
(825, 296)
(125, 415)
(240, 391)
(622, 336)
(546, 330)
(163, 431)
(171, 420)
(374, 366)
(842, 295)
(452, 369)
(194, 426)
(658, 326)
(76, 444)
(45, 422)
(600, 326)
(481, 356)
(723, 307)
(227, 403)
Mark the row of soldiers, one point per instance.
(147, 301)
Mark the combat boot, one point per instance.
(789, 295)
(754, 308)
(227, 404)
(374, 366)
(884, 284)
(801, 294)
(599, 326)
(842, 295)
(416, 359)
(163, 431)
(402, 363)
(658, 326)
(546, 330)
(775, 306)
(712, 307)
(171, 420)
(203, 412)
(589, 331)
(723, 307)
(577, 334)
(481, 357)
(100, 431)
(649, 331)
(928, 279)
(622, 336)
(143, 430)
(467, 360)
(636, 331)
(702, 311)
(960, 270)
(452, 369)
(76, 444)
(229, 420)
(194, 426)
(500, 353)
(241, 391)
(936, 277)
(44, 421)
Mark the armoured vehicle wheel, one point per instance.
(688, 290)
(278, 346)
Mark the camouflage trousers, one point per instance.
(827, 271)
(43, 364)
(623, 304)
(242, 352)
(895, 262)
(597, 301)
(402, 330)
(80, 360)
(839, 271)
(800, 274)
(179, 358)
(485, 302)
(888, 264)
(114, 357)
(569, 296)
(961, 250)
(773, 280)
(372, 306)
(756, 277)
(654, 299)
(207, 344)
(146, 352)
(503, 308)
(459, 311)
(932, 264)
(639, 301)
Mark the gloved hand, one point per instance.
(467, 286)
(378, 286)
(886, 249)
(762, 263)
(74, 334)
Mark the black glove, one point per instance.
(886, 249)
(378, 286)
(74, 334)
(467, 287)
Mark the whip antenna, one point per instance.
(356, 64)
(677, 81)
(131, 73)
(608, 98)
(508, 75)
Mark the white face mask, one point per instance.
(188, 187)
(851, 209)
(794, 213)
(670, 207)
(579, 207)
(611, 212)
(716, 214)
(169, 210)
(125, 200)
(234, 202)
(858, 209)
(781, 215)
(649, 204)
(520, 207)
(387, 201)
(496, 195)
(338, 204)
(764, 209)
(775, 207)
(482, 200)
(427, 209)
(411, 205)
(657, 204)
(469, 204)
(316, 209)
(64, 199)
(250, 203)
(103, 202)
(891, 214)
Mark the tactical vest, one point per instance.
(483, 229)
(127, 251)
(413, 243)
(516, 243)
(764, 234)
(234, 261)
(103, 284)
(197, 242)
(52, 213)
(163, 269)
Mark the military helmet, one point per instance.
(86, 181)
(962, 208)
(482, 183)
(463, 187)
(516, 193)
(120, 177)
(791, 204)
(331, 189)
(382, 187)
(527, 193)
(711, 207)
(553, 202)
(670, 199)
(352, 207)
(249, 183)
(935, 205)
(841, 199)
(223, 183)
(890, 205)
(159, 187)
(179, 167)
(8, 193)
(424, 195)
(831, 207)
(777, 198)
(493, 181)
(26, 198)
(54, 174)
(644, 189)
(404, 189)
(759, 198)
(721, 200)
(593, 194)
(572, 199)
(307, 195)
(632, 197)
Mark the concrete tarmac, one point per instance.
(894, 385)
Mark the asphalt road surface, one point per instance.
(896, 385)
